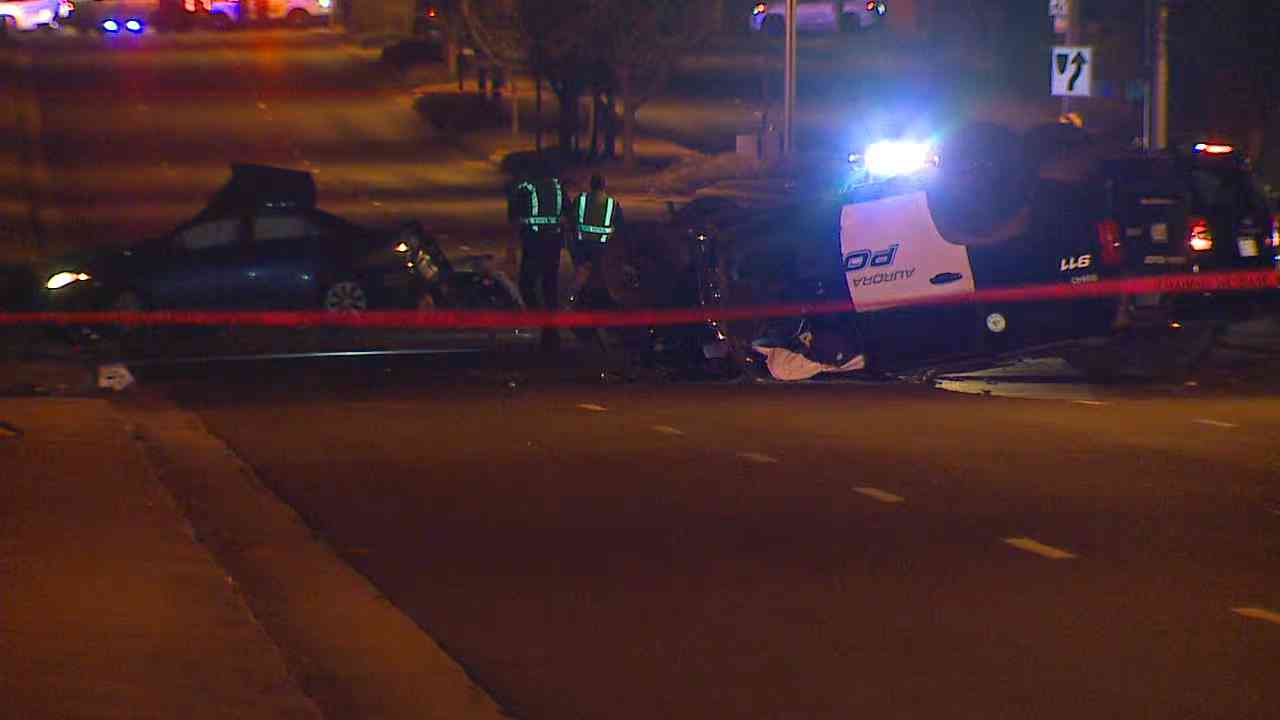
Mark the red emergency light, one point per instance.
(1109, 244)
(1199, 236)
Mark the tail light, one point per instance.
(432, 12)
(1199, 236)
(1110, 248)
(1275, 232)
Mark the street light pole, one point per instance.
(1161, 90)
(789, 79)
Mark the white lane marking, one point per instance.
(1094, 403)
(882, 496)
(592, 407)
(1215, 423)
(756, 457)
(1031, 546)
(668, 430)
(1258, 614)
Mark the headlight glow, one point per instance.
(63, 279)
(892, 158)
(403, 247)
(325, 3)
(133, 26)
(110, 25)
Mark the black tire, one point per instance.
(1167, 356)
(983, 189)
(297, 18)
(221, 21)
(345, 296)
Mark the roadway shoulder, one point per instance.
(355, 653)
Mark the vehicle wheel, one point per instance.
(982, 192)
(773, 26)
(221, 21)
(297, 18)
(346, 296)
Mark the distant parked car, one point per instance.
(294, 13)
(27, 15)
(134, 17)
(818, 15)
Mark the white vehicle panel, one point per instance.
(30, 14)
(893, 253)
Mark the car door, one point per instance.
(193, 268)
(278, 265)
(894, 257)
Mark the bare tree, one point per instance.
(641, 41)
(602, 45)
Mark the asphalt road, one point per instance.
(822, 550)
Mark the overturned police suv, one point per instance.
(934, 226)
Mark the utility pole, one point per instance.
(1148, 71)
(1073, 37)
(789, 80)
(1161, 91)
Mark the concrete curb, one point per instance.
(353, 652)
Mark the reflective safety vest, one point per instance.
(537, 204)
(595, 213)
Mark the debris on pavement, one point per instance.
(114, 376)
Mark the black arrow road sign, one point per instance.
(1061, 60)
(1079, 62)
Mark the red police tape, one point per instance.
(472, 319)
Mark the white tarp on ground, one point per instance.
(787, 365)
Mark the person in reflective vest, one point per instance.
(535, 207)
(597, 216)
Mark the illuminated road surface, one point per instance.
(852, 550)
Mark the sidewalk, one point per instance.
(110, 608)
(145, 572)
